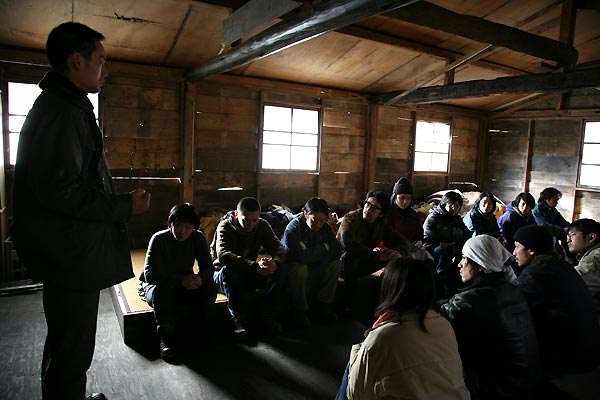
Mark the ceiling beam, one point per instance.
(325, 16)
(484, 31)
(540, 83)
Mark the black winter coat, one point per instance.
(496, 338)
(442, 227)
(69, 224)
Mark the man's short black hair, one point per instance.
(549, 193)
(248, 204)
(586, 226)
(69, 38)
(184, 212)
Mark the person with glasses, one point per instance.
(583, 240)
(182, 299)
(369, 243)
(444, 236)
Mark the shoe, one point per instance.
(167, 352)
(96, 396)
(243, 334)
(300, 319)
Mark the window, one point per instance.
(432, 147)
(290, 140)
(589, 172)
(21, 97)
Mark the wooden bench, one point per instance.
(135, 316)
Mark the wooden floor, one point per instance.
(297, 365)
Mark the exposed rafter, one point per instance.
(481, 30)
(540, 83)
(325, 16)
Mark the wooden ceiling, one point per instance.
(389, 49)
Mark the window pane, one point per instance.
(276, 157)
(590, 175)
(437, 148)
(21, 97)
(276, 137)
(277, 118)
(441, 133)
(439, 162)
(305, 139)
(13, 143)
(591, 154)
(422, 161)
(592, 132)
(304, 158)
(15, 123)
(306, 121)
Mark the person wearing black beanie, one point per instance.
(401, 216)
(561, 306)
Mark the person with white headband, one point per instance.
(493, 326)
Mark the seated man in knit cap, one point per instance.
(583, 240)
(561, 306)
(368, 242)
(401, 216)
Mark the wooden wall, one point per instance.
(227, 154)
(541, 147)
(395, 143)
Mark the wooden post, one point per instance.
(187, 145)
(530, 138)
(371, 148)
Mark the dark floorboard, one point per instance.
(297, 365)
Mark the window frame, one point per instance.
(580, 160)
(414, 147)
(292, 106)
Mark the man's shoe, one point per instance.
(95, 396)
(243, 334)
(168, 353)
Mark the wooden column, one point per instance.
(371, 148)
(530, 138)
(187, 142)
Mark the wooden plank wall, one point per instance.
(395, 144)
(227, 136)
(141, 122)
(507, 158)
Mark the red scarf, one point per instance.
(385, 316)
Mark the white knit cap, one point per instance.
(486, 251)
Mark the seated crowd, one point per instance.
(469, 307)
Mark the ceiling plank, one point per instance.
(481, 30)
(325, 16)
(541, 83)
(384, 38)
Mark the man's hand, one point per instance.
(388, 255)
(266, 266)
(192, 281)
(140, 201)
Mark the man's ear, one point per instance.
(593, 238)
(531, 252)
(74, 61)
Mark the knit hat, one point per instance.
(536, 238)
(403, 186)
(486, 251)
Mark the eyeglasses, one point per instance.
(368, 204)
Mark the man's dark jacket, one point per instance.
(69, 225)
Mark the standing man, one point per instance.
(69, 224)
(251, 283)
(583, 240)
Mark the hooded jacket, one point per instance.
(69, 224)
(442, 227)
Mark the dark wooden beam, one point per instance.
(325, 16)
(484, 31)
(541, 83)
